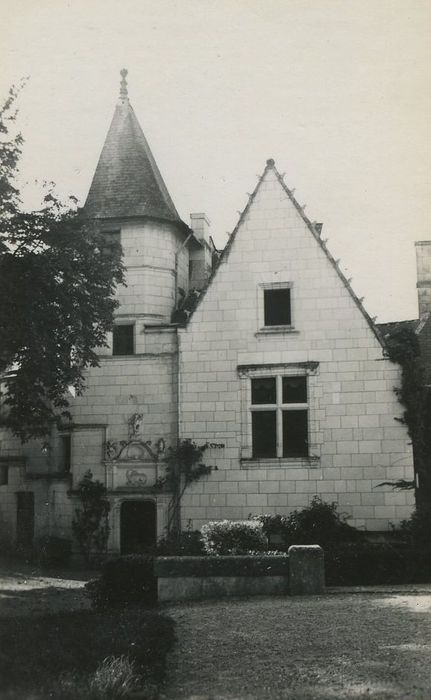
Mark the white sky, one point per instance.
(336, 91)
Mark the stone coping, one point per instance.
(249, 565)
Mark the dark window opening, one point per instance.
(279, 416)
(25, 519)
(264, 433)
(263, 390)
(294, 389)
(277, 307)
(4, 475)
(66, 453)
(295, 434)
(111, 242)
(123, 340)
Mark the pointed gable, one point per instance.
(127, 181)
(314, 229)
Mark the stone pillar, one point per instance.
(306, 570)
(423, 267)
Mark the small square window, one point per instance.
(4, 475)
(123, 342)
(277, 310)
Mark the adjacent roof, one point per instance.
(127, 181)
(389, 328)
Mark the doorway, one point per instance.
(25, 519)
(138, 526)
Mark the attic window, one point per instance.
(275, 309)
(123, 340)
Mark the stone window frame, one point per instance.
(286, 328)
(246, 374)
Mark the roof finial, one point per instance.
(123, 86)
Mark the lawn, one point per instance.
(61, 655)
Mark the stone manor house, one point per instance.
(278, 367)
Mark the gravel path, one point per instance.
(367, 645)
(24, 590)
(329, 647)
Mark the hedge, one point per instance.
(365, 563)
(124, 579)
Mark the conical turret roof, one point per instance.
(127, 181)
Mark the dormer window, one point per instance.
(275, 309)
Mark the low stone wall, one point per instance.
(194, 578)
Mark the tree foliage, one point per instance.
(57, 285)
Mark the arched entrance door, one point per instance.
(138, 529)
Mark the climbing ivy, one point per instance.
(403, 348)
(90, 522)
(183, 466)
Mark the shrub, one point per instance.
(233, 537)
(319, 523)
(187, 544)
(365, 563)
(124, 579)
(418, 527)
(53, 551)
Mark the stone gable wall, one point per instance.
(355, 441)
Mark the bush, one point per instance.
(418, 527)
(124, 579)
(365, 563)
(53, 551)
(233, 537)
(319, 523)
(187, 544)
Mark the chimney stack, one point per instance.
(423, 267)
(201, 227)
(201, 259)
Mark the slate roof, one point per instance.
(127, 181)
(388, 328)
